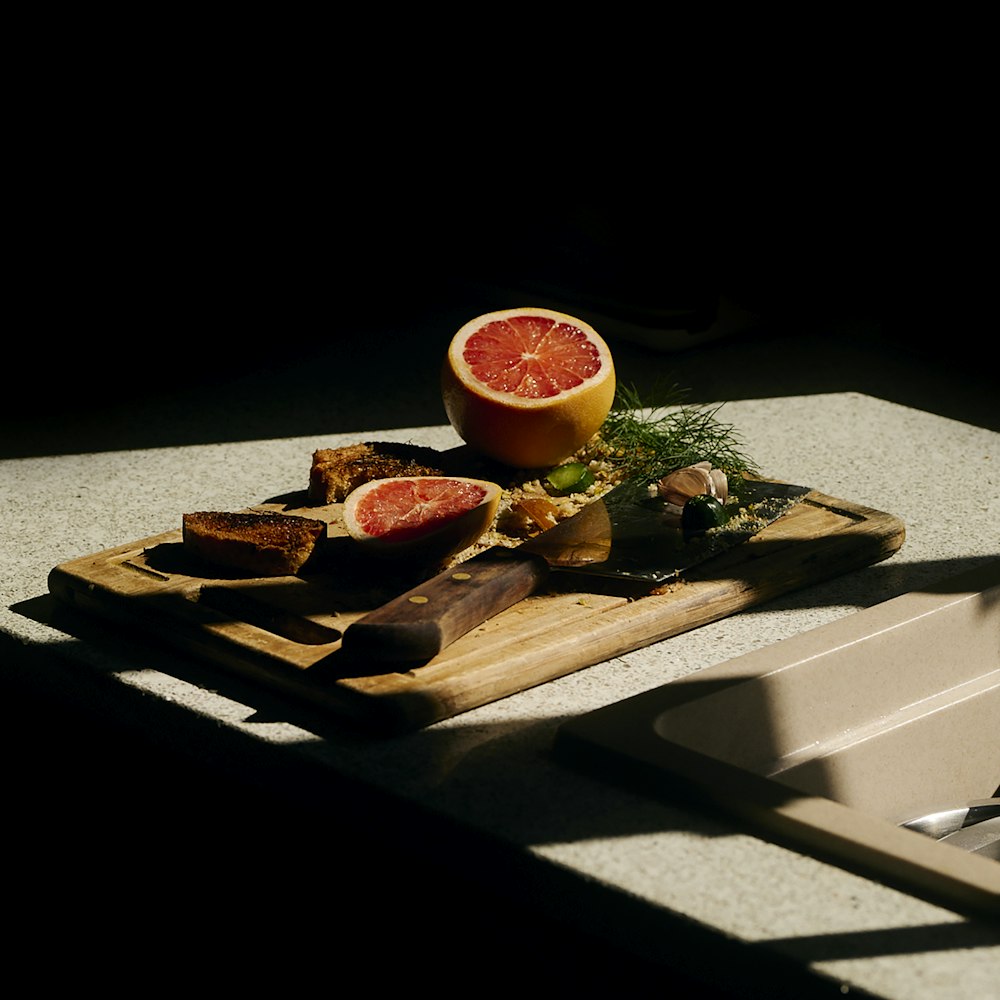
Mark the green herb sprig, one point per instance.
(653, 441)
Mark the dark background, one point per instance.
(193, 314)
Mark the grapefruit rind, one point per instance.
(439, 536)
(526, 433)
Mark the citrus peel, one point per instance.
(527, 387)
(420, 516)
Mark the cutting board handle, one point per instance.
(419, 624)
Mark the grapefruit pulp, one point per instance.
(426, 516)
(527, 387)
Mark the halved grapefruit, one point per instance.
(420, 516)
(527, 387)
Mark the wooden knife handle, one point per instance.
(417, 625)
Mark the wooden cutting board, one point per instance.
(285, 632)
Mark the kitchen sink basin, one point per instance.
(867, 741)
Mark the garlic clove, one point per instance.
(679, 486)
(720, 485)
(682, 484)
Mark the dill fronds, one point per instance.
(652, 441)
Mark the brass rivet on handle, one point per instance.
(461, 576)
(418, 599)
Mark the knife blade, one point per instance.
(626, 535)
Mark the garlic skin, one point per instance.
(693, 480)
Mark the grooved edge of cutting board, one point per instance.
(285, 632)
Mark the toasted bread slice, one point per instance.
(336, 472)
(257, 544)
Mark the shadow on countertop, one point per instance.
(279, 343)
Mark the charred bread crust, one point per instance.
(258, 544)
(335, 472)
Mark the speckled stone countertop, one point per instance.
(628, 865)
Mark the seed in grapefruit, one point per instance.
(420, 516)
(527, 387)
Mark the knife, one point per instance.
(625, 535)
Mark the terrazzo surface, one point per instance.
(489, 771)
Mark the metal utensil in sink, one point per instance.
(974, 827)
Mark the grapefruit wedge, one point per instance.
(527, 387)
(429, 517)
